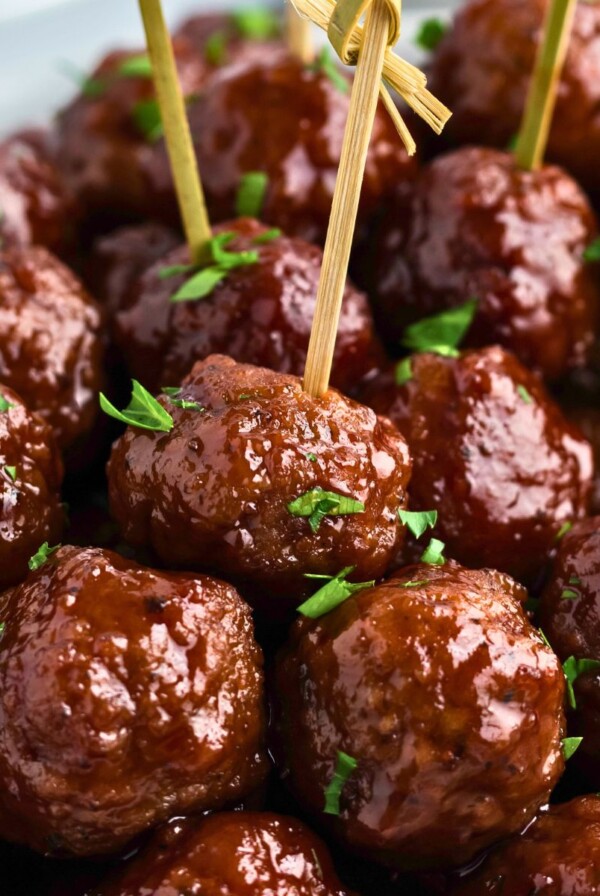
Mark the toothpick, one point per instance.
(541, 100)
(361, 116)
(184, 166)
(299, 36)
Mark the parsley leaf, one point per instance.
(2, 629)
(415, 584)
(434, 553)
(205, 279)
(311, 457)
(345, 765)
(215, 48)
(566, 527)
(317, 504)
(5, 405)
(524, 395)
(148, 120)
(331, 595)
(443, 332)
(11, 472)
(592, 252)
(430, 34)
(273, 234)
(136, 67)
(143, 411)
(403, 373)
(325, 64)
(257, 24)
(569, 594)
(173, 393)
(200, 285)
(251, 194)
(418, 521)
(41, 555)
(573, 669)
(570, 745)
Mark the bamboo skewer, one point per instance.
(184, 166)
(541, 99)
(299, 36)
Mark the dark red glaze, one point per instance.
(112, 167)
(260, 314)
(288, 120)
(558, 855)
(492, 454)
(232, 854)
(222, 39)
(35, 206)
(447, 698)
(30, 504)
(476, 226)
(51, 344)
(482, 70)
(587, 418)
(128, 696)
(213, 493)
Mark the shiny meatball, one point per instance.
(214, 493)
(231, 854)
(109, 138)
(288, 120)
(128, 696)
(477, 226)
(482, 70)
(30, 477)
(228, 39)
(492, 454)
(259, 314)
(437, 685)
(35, 207)
(588, 420)
(51, 341)
(558, 855)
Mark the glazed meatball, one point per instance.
(51, 346)
(588, 420)
(477, 226)
(215, 492)
(128, 696)
(482, 70)
(302, 114)
(30, 478)
(259, 314)
(228, 39)
(558, 855)
(450, 703)
(232, 854)
(492, 454)
(34, 203)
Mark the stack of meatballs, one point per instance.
(258, 643)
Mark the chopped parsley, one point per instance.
(332, 594)
(136, 67)
(434, 553)
(414, 584)
(41, 555)
(2, 629)
(91, 88)
(570, 745)
(311, 457)
(173, 393)
(11, 472)
(592, 252)
(326, 65)
(215, 48)
(251, 194)
(566, 527)
(569, 594)
(524, 395)
(143, 411)
(344, 767)
(273, 234)
(430, 34)
(317, 504)
(403, 372)
(148, 120)
(573, 669)
(5, 405)
(418, 521)
(206, 277)
(442, 333)
(257, 24)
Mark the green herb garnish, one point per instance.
(566, 527)
(215, 48)
(345, 765)
(173, 393)
(317, 504)
(403, 373)
(256, 24)
(273, 234)
(414, 584)
(524, 395)
(332, 594)
(311, 457)
(592, 252)
(442, 333)
(569, 594)
(430, 34)
(5, 405)
(11, 472)
(570, 745)
(434, 553)
(325, 64)
(143, 411)
(136, 67)
(2, 629)
(573, 669)
(251, 194)
(418, 521)
(544, 639)
(91, 88)
(41, 555)
(148, 120)
(205, 278)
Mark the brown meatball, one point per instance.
(477, 226)
(492, 454)
(214, 492)
(232, 854)
(30, 478)
(259, 314)
(482, 70)
(51, 343)
(224, 39)
(558, 855)
(450, 702)
(588, 420)
(128, 696)
(112, 163)
(35, 207)
(288, 120)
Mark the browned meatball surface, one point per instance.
(492, 454)
(127, 696)
(482, 70)
(30, 478)
(448, 700)
(214, 492)
(288, 120)
(478, 227)
(261, 314)
(559, 855)
(232, 854)
(51, 344)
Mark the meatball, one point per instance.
(588, 420)
(241, 853)
(259, 314)
(242, 484)
(30, 478)
(558, 855)
(51, 345)
(449, 702)
(492, 454)
(477, 226)
(227, 39)
(128, 696)
(34, 203)
(482, 70)
(303, 115)
(109, 137)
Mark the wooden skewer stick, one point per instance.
(541, 99)
(361, 116)
(299, 36)
(184, 166)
